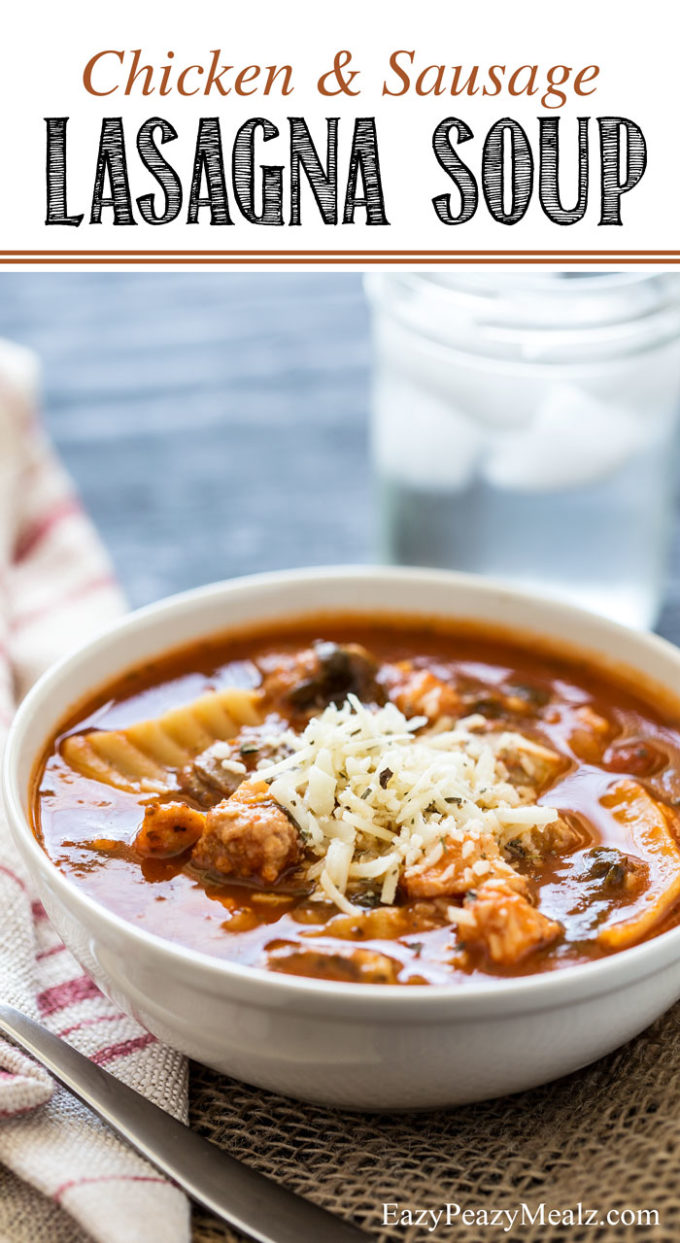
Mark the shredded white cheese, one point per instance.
(375, 793)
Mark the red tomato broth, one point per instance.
(71, 811)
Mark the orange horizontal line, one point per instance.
(671, 258)
(346, 254)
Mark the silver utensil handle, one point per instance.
(245, 1199)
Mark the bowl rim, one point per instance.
(526, 994)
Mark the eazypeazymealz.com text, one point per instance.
(510, 1219)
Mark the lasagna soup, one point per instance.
(379, 803)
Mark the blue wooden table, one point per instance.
(216, 423)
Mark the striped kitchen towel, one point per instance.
(64, 1176)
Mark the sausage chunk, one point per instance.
(218, 771)
(168, 829)
(248, 836)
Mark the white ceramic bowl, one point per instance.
(357, 1046)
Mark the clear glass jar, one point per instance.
(524, 426)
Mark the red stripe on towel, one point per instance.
(99, 1018)
(12, 876)
(67, 994)
(50, 606)
(41, 528)
(54, 949)
(122, 1049)
(109, 1178)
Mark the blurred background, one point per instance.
(218, 424)
(215, 424)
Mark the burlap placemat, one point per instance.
(608, 1136)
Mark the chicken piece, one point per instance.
(529, 763)
(324, 673)
(419, 692)
(361, 966)
(560, 837)
(248, 836)
(506, 924)
(462, 865)
(168, 829)
(589, 740)
(651, 840)
(525, 698)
